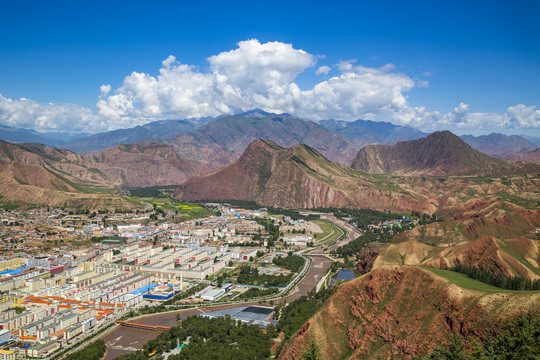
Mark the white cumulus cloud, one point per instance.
(325, 69)
(259, 75)
(256, 75)
(462, 119)
(29, 114)
(253, 75)
(521, 116)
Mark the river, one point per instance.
(124, 340)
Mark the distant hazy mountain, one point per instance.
(223, 141)
(499, 145)
(16, 135)
(366, 132)
(439, 154)
(533, 139)
(157, 129)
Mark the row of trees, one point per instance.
(352, 248)
(271, 228)
(498, 280)
(152, 191)
(362, 217)
(520, 339)
(93, 351)
(294, 316)
(218, 338)
(291, 262)
(256, 292)
(250, 276)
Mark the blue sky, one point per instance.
(456, 64)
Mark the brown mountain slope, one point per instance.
(439, 154)
(141, 165)
(297, 177)
(37, 174)
(36, 154)
(487, 223)
(532, 156)
(499, 145)
(421, 309)
(123, 165)
(37, 185)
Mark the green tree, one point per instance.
(312, 353)
(452, 351)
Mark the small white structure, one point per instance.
(213, 294)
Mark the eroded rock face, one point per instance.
(409, 307)
(367, 259)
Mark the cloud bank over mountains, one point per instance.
(256, 75)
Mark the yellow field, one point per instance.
(188, 207)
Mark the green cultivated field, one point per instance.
(185, 211)
(9, 206)
(331, 233)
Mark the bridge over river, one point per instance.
(143, 326)
(126, 339)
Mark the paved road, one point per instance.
(125, 340)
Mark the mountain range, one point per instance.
(500, 145)
(16, 135)
(301, 177)
(296, 177)
(298, 164)
(366, 132)
(157, 129)
(221, 140)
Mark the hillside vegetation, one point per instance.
(404, 310)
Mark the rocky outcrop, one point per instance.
(366, 261)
